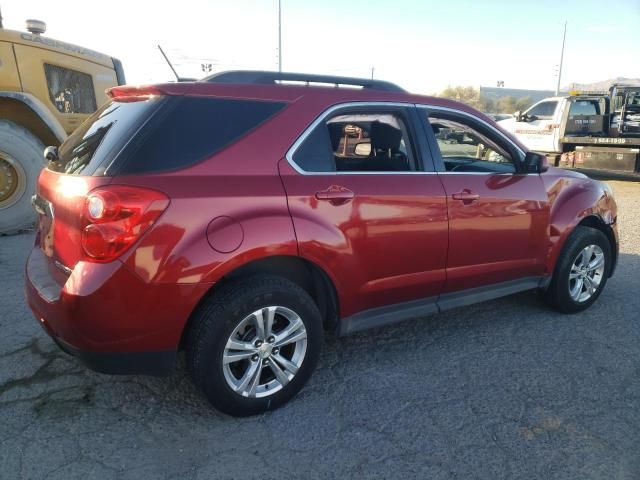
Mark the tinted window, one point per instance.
(188, 129)
(583, 107)
(358, 142)
(92, 147)
(466, 147)
(544, 110)
(315, 154)
(70, 91)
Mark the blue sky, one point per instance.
(422, 45)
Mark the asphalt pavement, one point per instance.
(503, 389)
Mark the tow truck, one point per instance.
(590, 130)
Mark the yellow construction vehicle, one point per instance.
(47, 89)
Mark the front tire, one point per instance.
(254, 344)
(581, 272)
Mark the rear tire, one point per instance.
(20, 165)
(581, 271)
(225, 344)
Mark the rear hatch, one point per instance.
(82, 165)
(143, 131)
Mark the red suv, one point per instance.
(241, 216)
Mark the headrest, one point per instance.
(384, 136)
(335, 133)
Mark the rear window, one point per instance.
(188, 129)
(92, 147)
(155, 135)
(584, 107)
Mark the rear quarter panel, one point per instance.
(225, 211)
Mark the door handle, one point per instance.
(466, 195)
(336, 195)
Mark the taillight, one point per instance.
(129, 93)
(114, 217)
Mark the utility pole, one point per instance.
(0, 19)
(372, 69)
(564, 37)
(279, 35)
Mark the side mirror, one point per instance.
(363, 149)
(536, 162)
(51, 154)
(517, 115)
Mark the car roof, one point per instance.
(318, 95)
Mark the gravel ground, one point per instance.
(504, 389)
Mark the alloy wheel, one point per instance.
(587, 272)
(264, 352)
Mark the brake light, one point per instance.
(114, 217)
(128, 93)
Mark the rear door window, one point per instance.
(359, 141)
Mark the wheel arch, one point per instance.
(597, 223)
(30, 113)
(591, 220)
(310, 276)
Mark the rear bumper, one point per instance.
(123, 363)
(107, 316)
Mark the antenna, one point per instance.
(169, 62)
(564, 36)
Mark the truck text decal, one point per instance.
(534, 132)
(65, 46)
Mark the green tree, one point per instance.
(468, 95)
(488, 105)
(506, 105)
(523, 103)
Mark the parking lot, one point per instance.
(504, 389)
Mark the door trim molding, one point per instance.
(399, 312)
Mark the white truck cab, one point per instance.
(598, 130)
(539, 126)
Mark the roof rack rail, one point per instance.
(271, 78)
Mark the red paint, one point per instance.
(381, 239)
(500, 235)
(386, 245)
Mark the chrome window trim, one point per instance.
(477, 119)
(303, 136)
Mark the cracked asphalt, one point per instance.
(504, 389)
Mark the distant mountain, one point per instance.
(602, 85)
